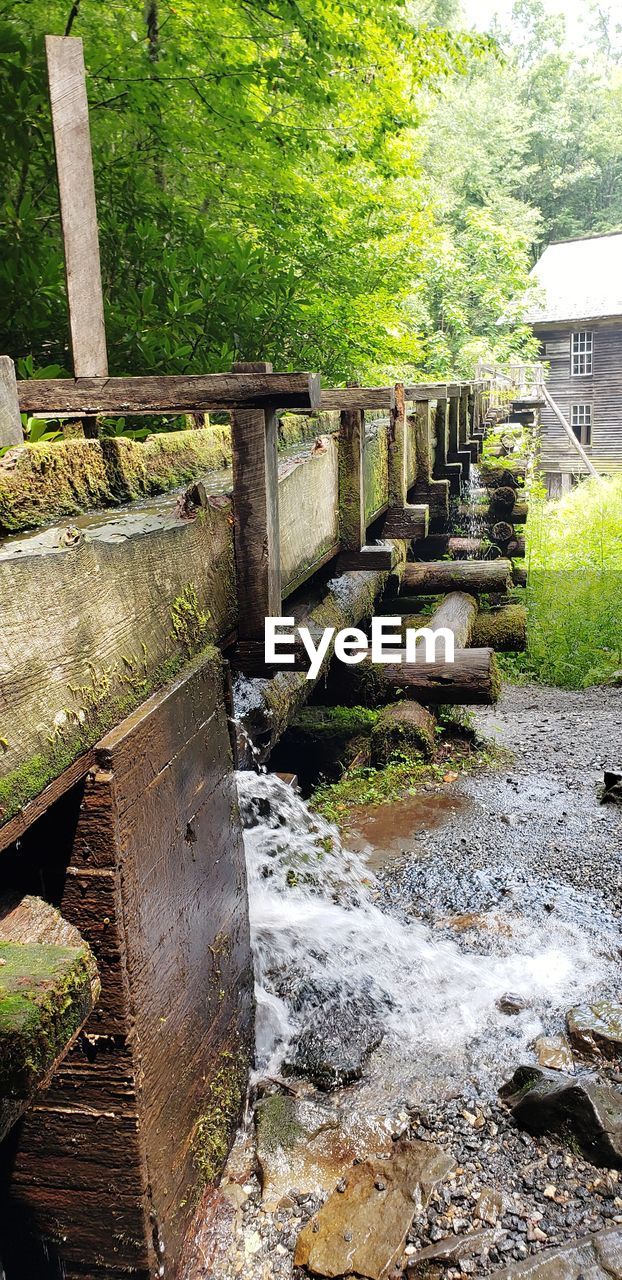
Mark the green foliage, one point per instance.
(254, 183)
(575, 585)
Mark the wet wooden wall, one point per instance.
(106, 1169)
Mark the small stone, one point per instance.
(511, 1004)
(550, 1192)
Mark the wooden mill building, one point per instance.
(577, 314)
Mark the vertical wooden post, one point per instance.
(76, 188)
(454, 414)
(352, 526)
(397, 450)
(10, 420)
(256, 512)
(78, 212)
(463, 421)
(423, 443)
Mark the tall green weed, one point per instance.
(574, 550)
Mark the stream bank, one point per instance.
(523, 860)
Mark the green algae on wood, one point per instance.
(46, 994)
(214, 1130)
(43, 482)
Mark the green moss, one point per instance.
(277, 1126)
(46, 992)
(189, 621)
(213, 1131)
(82, 731)
(324, 724)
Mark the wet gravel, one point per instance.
(533, 833)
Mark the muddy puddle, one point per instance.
(381, 833)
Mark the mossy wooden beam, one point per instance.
(48, 987)
(177, 393)
(43, 482)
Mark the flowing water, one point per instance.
(321, 931)
(473, 521)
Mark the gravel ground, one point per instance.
(533, 831)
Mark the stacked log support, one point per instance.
(428, 490)
(403, 519)
(456, 452)
(443, 469)
(472, 679)
(439, 577)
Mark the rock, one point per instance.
(597, 1257)
(555, 1053)
(612, 786)
(453, 1250)
(511, 1004)
(363, 1229)
(489, 1206)
(596, 1027)
(308, 1144)
(333, 1048)
(548, 1101)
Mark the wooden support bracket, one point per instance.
(254, 435)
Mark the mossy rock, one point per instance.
(403, 727)
(333, 724)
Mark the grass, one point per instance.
(574, 595)
(403, 775)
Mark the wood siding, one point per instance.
(602, 390)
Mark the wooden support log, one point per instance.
(494, 477)
(486, 512)
(403, 726)
(519, 576)
(503, 499)
(48, 987)
(473, 549)
(457, 612)
(182, 393)
(254, 436)
(504, 630)
(411, 522)
(10, 420)
(477, 576)
(472, 679)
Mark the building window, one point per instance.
(581, 422)
(582, 353)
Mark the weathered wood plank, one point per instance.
(10, 421)
(159, 584)
(420, 391)
(397, 451)
(74, 167)
(175, 393)
(254, 436)
(351, 398)
(309, 512)
(142, 1112)
(352, 522)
